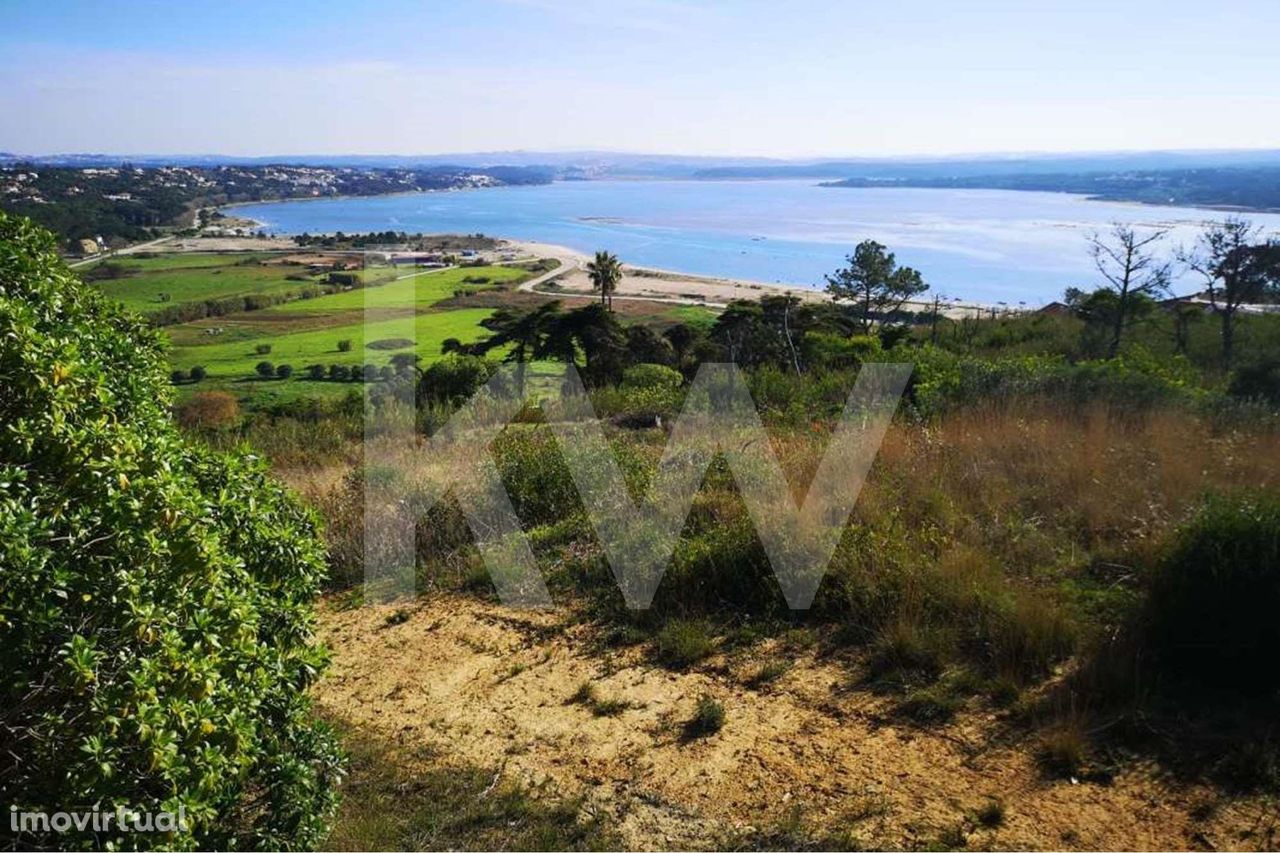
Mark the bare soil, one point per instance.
(811, 750)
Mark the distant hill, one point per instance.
(1241, 187)
(601, 164)
(954, 168)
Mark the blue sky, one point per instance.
(665, 76)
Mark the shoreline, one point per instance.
(681, 288)
(666, 284)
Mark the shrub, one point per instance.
(265, 369)
(653, 376)
(769, 673)
(537, 479)
(339, 372)
(315, 371)
(177, 377)
(402, 361)
(708, 717)
(682, 643)
(284, 371)
(455, 378)
(646, 392)
(262, 349)
(1064, 749)
(827, 351)
(344, 345)
(155, 614)
(584, 695)
(208, 410)
(906, 650)
(198, 374)
(1259, 380)
(991, 814)
(1215, 596)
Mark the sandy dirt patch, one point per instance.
(492, 687)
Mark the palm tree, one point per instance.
(605, 272)
(526, 332)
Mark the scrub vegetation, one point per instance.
(1066, 549)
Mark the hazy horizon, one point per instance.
(668, 155)
(646, 77)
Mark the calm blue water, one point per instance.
(982, 245)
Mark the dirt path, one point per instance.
(491, 686)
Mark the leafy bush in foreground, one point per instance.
(1215, 597)
(155, 598)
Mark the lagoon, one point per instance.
(976, 245)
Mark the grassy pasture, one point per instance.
(195, 278)
(236, 358)
(417, 291)
(394, 304)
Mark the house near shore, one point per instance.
(1056, 309)
(1203, 302)
(429, 259)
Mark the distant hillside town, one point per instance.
(114, 205)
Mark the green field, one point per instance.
(195, 278)
(694, 315)
(396, 305)
(417, 291)
(237, 359)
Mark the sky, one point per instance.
(769, 78)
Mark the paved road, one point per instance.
(127, 250)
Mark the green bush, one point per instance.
(827, 351)
(682, 643)
(537, 479)
(942, 380)
(657, 377)
(454, 379)
(1215, 596)
(708, 718)
(156, 604)
(1258, 381)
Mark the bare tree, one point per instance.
(1238, 267)
(1134, 274)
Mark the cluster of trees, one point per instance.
(341, 240)
(779, 329)
(1238, 266)
(195, 374)
(187, 312)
